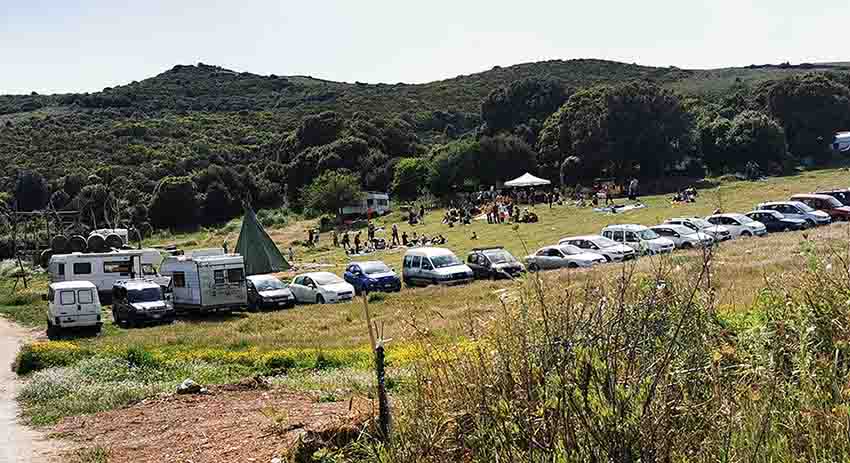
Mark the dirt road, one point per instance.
(18, 444)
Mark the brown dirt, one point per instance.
(232, 423)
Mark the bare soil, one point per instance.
(18, 443)
(230, 423)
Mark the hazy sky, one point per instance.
(84, 45)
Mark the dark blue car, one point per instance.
(372, 276)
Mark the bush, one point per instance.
(40, 355)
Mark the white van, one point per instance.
(104, 269)
(638, 237)
(207, 280)
(72, 305)
(426, 266)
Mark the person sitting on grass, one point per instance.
(474, 236)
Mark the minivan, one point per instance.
(638, 237)
(427, 266)
(72, 305)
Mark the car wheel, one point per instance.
(533, 267)
(53, 331)
(687, 245)
(607, 259)
(320, 299)
(811, 223)
(746, 234)
(572, 265)
(407, 282)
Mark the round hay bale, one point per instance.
(77, 244)
(44, 259)
(59, 244)
(115, 241)
(96, 243)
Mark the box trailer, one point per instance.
(103, 269)
(206, 281)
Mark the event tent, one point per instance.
(527, 180)
(256, 246)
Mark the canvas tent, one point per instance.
(527, 180)
(257, 248)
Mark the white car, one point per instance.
(562, 256)
(321, 288)
(797, 210)
(639, 238)
(718, 232)
(611, 250)
(682, 236)
(738, 224)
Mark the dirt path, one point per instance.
(18, 444)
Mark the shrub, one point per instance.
(40, 355)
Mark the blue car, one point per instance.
(372, 276)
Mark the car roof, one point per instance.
(812, 196)
(670, 225)
(262, 277)
(136, 284)
(73, 285)
(775, 203)
(627, 227)
(430, 251)
(315, 274)
(365, 262)
(763, 211)
(582, 237)
(488, 248)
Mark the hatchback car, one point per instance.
(321, 288)
(718, 232)
(268, 292)
(611, 250)
(372, 276)
(494, 263)
(682, 236)
(562, 256)
(638, 237)
(776, 222)
(797, 210)
(738, 225)
(825, 203)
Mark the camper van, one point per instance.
(207, 280)
(103, 269)
(376, 203)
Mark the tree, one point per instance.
(618, 130)
(750, 137)
(410, 177)
(174, 203)
(811, 109)
(31, 192)
(522, 100)
(319, 129)
(218, 204)
(332, 191)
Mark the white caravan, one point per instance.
(103, 269)
(207, 280)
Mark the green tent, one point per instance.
(260, 253)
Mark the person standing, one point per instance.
(395, 235)
(422, 213)
(357, 243)
(310, 237)
(404, 241)
(346, 241)
(336, 239)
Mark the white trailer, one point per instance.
(207, 280)
(103, 269)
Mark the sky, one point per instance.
(59, 46)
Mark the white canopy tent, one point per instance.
(527, 180)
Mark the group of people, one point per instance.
(688, 195)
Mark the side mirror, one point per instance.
(677, 235)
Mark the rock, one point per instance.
(189, 387)
(277, 460)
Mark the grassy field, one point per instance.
(320, 339)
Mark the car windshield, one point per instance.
(805, 207)
(371, 268)
(833, 202)
(445, 260)
(144, 295)
(682, 230)
(647, 234)
(701, 223)
(743, 219)
(499, 256)
(326, 279)
(268, 284)
(603, 242)
(570, 250)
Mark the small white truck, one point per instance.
(105, 268)
(207, 280)
(72, 305)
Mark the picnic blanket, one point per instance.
(618, 209)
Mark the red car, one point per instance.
(841, 194)
(826, 203)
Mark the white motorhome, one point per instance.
(378, 203)
(103, 269)
(207, 280)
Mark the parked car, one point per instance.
(494, 263)
(776, 222)
(638, 237)
(682, 236)
(562, 256)
(72, 305)
(825, 203)
(611, 250)
(841, 194)
(140, 301)
(738, 225)
(718, 232)
(425, 266)
(372, 276)
(321, 288)
(797, 210)
(268, 292)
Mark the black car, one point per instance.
(136, 302)
(494, 263)
(268, 292)
(776, 222)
